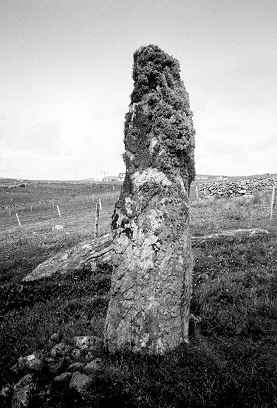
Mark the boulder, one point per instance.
(60, 350)
(80, 382)
(87, 342)
(76, 367)
(62, 378)
(24, 392)
(93, 366)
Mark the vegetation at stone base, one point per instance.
(232, 356)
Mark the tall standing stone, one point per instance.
(151, 282)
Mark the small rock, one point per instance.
(19, 366)
(62, 378)
(75, 353)
(89, 356)
(60, 349)
(76, 367)
(5, 392)
(23, 392)
(85, 342)
(80, 382)
(58, 228)
(33, 362)
(55, 366)
(93, 366)
(55, 337)
(68, 359)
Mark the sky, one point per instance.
(65, 80)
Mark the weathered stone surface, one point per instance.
(76, 367)
(80, 382)
(32, 362)
(23, 392)
(93, 366)
(55, 366)
(90, 356)
(247, 187)
(236, 233)
(88, 342)
(82, 255)
(62, 378)
(75, 354)
(59, 350)
(55, 337)
(62, 268)
(151, 283)
(5, 391)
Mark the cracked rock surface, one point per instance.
(151, 283)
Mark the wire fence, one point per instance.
(25, 214)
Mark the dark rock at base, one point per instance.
(75, 354)
(55, 337)
(62, 378)
(32, 362)
(76, 367)
(88, 342)
(55, 366)
(60, 350)
(5, 393)
(23, 392)
(93, 366)
(89, 356)
(80, 382)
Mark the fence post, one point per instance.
(97, 213)
(18, 220)
(272, 202)
(58, 208)
(197, 192)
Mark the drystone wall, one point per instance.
(236, 188)
(151, 283)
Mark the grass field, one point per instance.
(231, 360)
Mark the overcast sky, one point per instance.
(65, 81)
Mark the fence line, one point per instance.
(97, 214)
(272, 203)
(47, 210)
(18, 220)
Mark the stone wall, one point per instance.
(236, 188)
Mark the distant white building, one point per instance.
(121, 176)
(113, 179)
(222, 178)
(201, 177)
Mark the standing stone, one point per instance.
(151, 283)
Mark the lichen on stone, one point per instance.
(149, 305)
